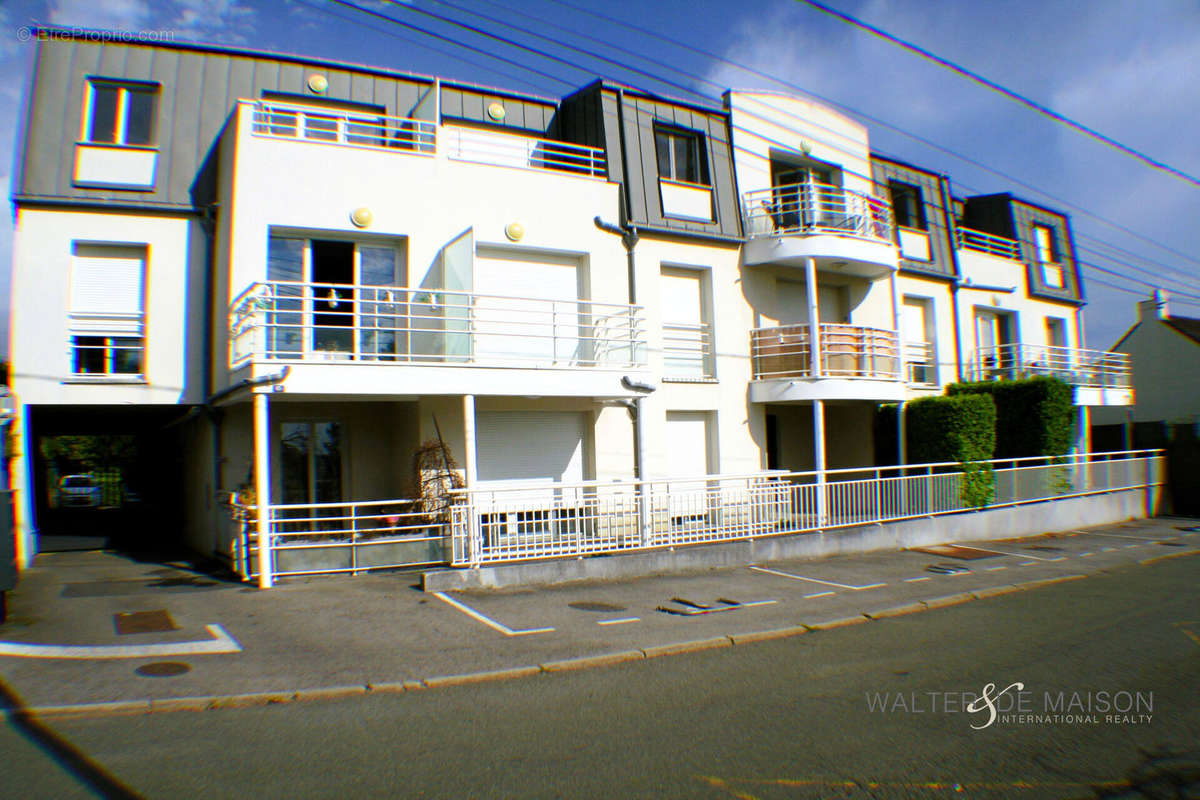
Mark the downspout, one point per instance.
(952, 233)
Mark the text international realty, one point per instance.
(1022, 707)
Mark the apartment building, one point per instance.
(289, 276)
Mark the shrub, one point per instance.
(1034, 416)
(960, 429)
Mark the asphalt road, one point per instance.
(784, 719)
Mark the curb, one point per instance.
(258, 699)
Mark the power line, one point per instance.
(975, 77)
(577, 67)
(880, 122)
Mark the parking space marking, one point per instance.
(1126, 536)
(816, 580)
(221, 643)
(994, 569)
(1131, 545)
(818, 594)
(619, 621)
(1015, 555)
(1107, 549)
(491, 623)
(1027, 564)
(915, 580)
(1085, 555)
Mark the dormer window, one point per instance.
(679, 155)
(907, 205)
(119, 113)
(1049, 259)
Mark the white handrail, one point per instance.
(323, 125)
(988, 243)
(1075, 366)
(846, 351)
(807, 209)
(525, 152)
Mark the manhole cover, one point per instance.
(162, 669)
(1171, 544)
(1045, 548)
(143, 622)
(592, 605)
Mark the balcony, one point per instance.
(855, 363)
(843, 229)
(1100, 378)
(459, 334)
(345, 128)
(523, 152)
(980, 242)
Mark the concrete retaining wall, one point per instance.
(999, 523)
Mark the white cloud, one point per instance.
(125, 15)
(224, 20)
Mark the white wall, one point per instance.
(174, 306)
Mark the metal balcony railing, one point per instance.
(688, 351)
(292, 321)
(347, 128)
(919, 357)
(846, 351)
(524, 152)
(810, 209)
(988, 243)
(1085, 368)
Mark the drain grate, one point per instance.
(955, 551)
(594, 605)
(163, 669)
(143, 622)
(947, 569)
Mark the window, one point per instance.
(918, 329)
(1048, 257)
(686, 329)
(679, 156)
(106, 317)
(907, 205)
(336, 297)
(119, 113)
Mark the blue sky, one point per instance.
(1124, 67)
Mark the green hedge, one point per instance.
(960, 429)
(1034, 416)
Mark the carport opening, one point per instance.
(107, 478)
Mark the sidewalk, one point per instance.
(329, 636)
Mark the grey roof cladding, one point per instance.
(939, 223)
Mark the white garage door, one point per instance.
(535, 316)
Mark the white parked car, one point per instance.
(78, 491)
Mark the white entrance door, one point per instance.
(688, 456)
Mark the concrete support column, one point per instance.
(901, 369)
(819, 459)
(21, 475)
(262, 488)
(814, 317)
(469, 455)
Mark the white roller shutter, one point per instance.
(527, 309)
(515, 448)
(107, 288)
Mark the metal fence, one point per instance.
(523, 152)
(1072, 365)
(321, 538)
(817, 208)
(554, 520)
(847, 351)
(988, 243)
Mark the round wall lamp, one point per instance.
(496, 111)
(361, 217)
(515, 231)
(318, 83)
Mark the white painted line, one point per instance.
(1027, 564)
(1125, 536)
(221, 642)
(917, 580)
(491, 623)
(818, 594)
(1086, 555)
(1014, 555)
(619, 621)
(995, 569)
(759, 603)
(817, 580)
(1108, 549)
(1063, 558)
